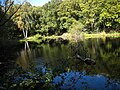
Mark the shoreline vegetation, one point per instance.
(56, 23)
(66, 19)
(72, 37)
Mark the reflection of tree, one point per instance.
(80, 80)
(60, 60)
(27, 46)
(107, 56)
(25, 57)
(80, 52)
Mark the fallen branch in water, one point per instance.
(88, 61)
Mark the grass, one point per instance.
(72, 37)
(101, 35)
(38, 38)
(35, 38)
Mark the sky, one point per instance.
(38, 2)
(33, 2)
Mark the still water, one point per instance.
(21, 65)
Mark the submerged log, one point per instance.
(79, 57)
(88, 61)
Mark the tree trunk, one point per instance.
(26, 33)
(23, 33)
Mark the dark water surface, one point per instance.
(22, 62)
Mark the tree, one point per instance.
(6, 8)
(8, 29)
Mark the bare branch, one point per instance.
(11, 15)
(6, 11)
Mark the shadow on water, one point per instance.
(54, 65)
(8, 53)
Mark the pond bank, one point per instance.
(102, 35)
(72, 37)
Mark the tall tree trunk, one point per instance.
(23, 33)
(26, 33)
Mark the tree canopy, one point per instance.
(59, 16)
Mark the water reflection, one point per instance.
(71, 73)
(81, 81)
(60, 58)
(9, 51)
(25, 57)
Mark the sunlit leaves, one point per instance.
(58, 16)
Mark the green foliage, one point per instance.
(21, 79)
(60, 16)
(7, 26)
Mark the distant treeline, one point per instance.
(59, 16)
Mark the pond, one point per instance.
(54, 65)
